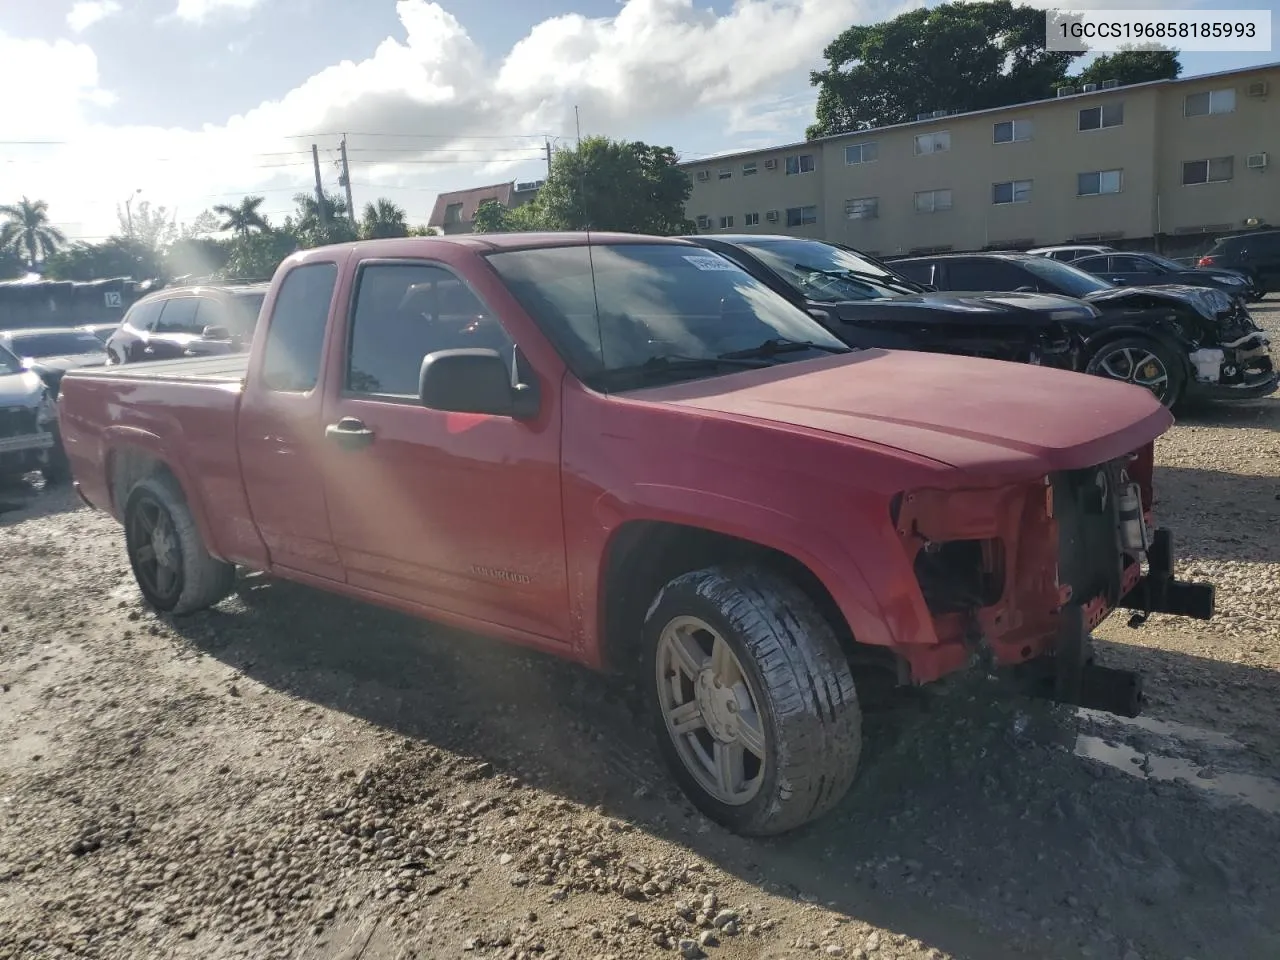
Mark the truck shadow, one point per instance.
(1217, 515)
(974, 826)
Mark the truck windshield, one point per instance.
(625, 315)
(824, 272)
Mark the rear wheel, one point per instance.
(1142, 362)
(175, 572)
(755, 706)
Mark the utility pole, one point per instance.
(577, 124)
(346, 179)
(321, 207)
(548, 157)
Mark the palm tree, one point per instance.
(27, 231)
(243, 218)
(308, 216)
(383, 219)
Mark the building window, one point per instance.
(1211, 101)
(927, 143)
(726, 222)
(725, 173)
(1012, 191)
(1098, 181)
(453, 213)
(863, 208)
(800, 164)
(1099, 118)
(751, 219)
(933, 201)
(1012, 131)
(799, 216)
(704, 222)
(862, 153)
(1217, 170)
(749, 169)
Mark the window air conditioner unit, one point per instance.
(1110, 84)
(704, 175)
(771, 164)
(1089, 88)
(1259, 88)
(1256, 161)
(772, 216)
(1066, 91)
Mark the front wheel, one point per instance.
(175, 572)
(1142, 362)
(755, 706)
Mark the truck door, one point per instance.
(280, 432)
(454, 512)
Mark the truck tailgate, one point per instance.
(115, 420)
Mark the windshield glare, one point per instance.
(650, 301)
(1070, 280)
(823, 272)
(55, 344)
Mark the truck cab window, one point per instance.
(179, 316)
(405, 311)
(295, 337)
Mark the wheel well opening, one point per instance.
(126, 468)
(646, 555)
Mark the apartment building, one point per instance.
(455, 212)
(1169, 163)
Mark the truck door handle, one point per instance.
(349, 433)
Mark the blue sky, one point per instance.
(195, 101)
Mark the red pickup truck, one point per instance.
(628, 452)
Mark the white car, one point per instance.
(1069, 252)
(28, 418)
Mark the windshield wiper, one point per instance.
(776, 345)
(882, 279)
(666, 364)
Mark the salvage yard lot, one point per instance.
(294, 775)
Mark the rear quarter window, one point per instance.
(143, 316)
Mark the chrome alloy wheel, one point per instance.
(1137, 366)
(711, 711)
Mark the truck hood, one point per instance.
(20, 389)
(1005, 419)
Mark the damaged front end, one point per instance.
(1014, 580)
(1228, 354)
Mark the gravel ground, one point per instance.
(295, 775)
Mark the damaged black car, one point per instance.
(1181, 342)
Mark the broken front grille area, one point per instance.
(1095, 568)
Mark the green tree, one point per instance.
(196, 256)
(11, 265)
(955, 56)
(258, 254)
(1132, 65)
(242, 218)
(114, 257)
(206, 224)
(605, 184)
(154, 228)
(315, 225)
(383, 219)
(491, 217)
(27, 231)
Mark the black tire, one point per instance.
(56, 470)
(196, 579)
(1125, 360)
(800, 684)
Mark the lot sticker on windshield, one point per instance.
(711, 263)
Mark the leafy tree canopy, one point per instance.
(955, 56)
(492, 217)
(114, 257)
(605, 184)
(26, 231)
(242, 218)
(382, 219)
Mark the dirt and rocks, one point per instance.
(291, 775)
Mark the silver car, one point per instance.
(28, 423)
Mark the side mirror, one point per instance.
(474, 381)
(215, 333)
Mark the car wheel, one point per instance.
(755, 708)
(1142, 362)
(175, 572)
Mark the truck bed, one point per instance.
(223, 370)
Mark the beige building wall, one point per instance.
(1147, 149)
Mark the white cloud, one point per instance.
(197, 11)
(85, 13)
(655, 62)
